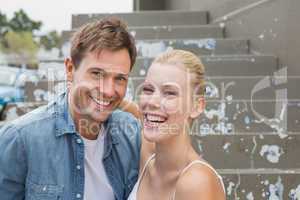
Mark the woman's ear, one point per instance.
(70, 69)
(199, 107)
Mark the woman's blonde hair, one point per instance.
(191, 62)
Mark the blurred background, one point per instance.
(250, 128)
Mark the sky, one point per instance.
(56, 14)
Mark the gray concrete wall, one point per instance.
(149, 5)
(271, 25)
(177, 4)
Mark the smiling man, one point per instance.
(79, 146)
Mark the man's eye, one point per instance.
(121, 78)
(97, 73)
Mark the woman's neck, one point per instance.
(173, 155)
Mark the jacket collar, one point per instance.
(64, 123)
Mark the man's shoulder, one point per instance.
(32, 122)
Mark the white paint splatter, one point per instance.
(229, 99)
(133, 33)
(295, 193)
(266, 182)
(271, 152)
(226, 147)
(150, 50)
(219, 113)
(209, 43)
(230, 188)
(247, 120)
(142, 72)
(276, 190)
(222, 24)
(12, 114)
(261, 36)
(250, 196)
(40, 95)
(211, 91)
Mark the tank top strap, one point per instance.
(146, 165)
(202, 163)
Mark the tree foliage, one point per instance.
(51, 40)
(20, 47)
(20, 22)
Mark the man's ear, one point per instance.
(70, 69)
(199, 107)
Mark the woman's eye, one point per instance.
(171, 93)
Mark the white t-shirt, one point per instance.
(96, 185)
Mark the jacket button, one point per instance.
(78, 141)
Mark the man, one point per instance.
(77, 147)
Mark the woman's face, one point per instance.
(166, 101)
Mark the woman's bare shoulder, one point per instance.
(199, 182)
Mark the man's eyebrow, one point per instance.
(108, 72)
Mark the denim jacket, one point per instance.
(42, 155)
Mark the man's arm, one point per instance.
(13, 164)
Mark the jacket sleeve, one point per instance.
(13, 167)
(136, 144)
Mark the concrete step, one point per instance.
(262, 185)
(250, 151)
(227, 115)
(223, 114)
(177, 32)
(245, 117)
(168, 32)
(148, 18)
(237, 88)
(43, 91)
(294, 116)
(220, 65)
(209, 46)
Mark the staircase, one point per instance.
(245, 132)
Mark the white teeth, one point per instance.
(153, 124)
(155, 118)
(102, 103)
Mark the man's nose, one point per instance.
(107, 87)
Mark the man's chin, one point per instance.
(100, 116)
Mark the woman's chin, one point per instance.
(154, 136)
(151, 135)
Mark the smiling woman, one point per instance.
(172, 97)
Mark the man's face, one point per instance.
(98, 85)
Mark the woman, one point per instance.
(171, 99)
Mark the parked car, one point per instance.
(12, 82)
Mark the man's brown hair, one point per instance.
(110, 33)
